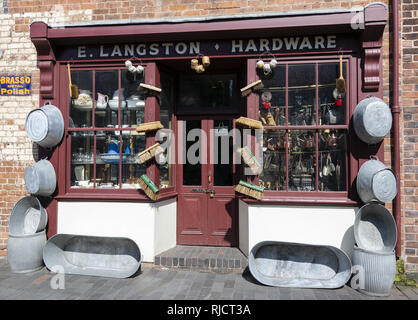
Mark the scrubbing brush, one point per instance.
(250, 189)
(149, 153)
(250, 160)
(249, 123)
(148, 187)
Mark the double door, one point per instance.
(207, 208)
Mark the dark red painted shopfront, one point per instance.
(308, 48)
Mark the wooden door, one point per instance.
(206, 208)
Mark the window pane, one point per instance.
(223, 144)
(107, 160)
(192, 169)
(332, 160)
(302, 160)
(166, 111)
(208, 92)
(332, 105)
(273, 98)
(131, 170)
(166, 174)
(81, 108)
(106, 85)
(273, 176)
(134, 110)
(82, 145)
(302, 95)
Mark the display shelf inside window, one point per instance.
(107, 98)
(132, 144)
(302, 160)
(302, 94)
(272, 101)
(332, 160)
(133, 113)
(81, 108)
(273, 176)
(82, 159)
(332, 105)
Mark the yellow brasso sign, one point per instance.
(15, 85)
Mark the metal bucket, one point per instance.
(379, 271)
(285, 264)
(27, 217)
(93, 256)
(45, 126)
(24, 252)
(376, 182)
(40, 178)
(375, 228)
(372, 120)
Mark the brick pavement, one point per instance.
(158, 284)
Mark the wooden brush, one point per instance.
(249, 123)
(250, 190)
(149, 126)
(250, 160)
(150, 153)
(149, 89)
(73, 87)
(340, 80)
(148, 187)
(251, 87)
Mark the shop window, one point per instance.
(306, 125)
(104, 143)
(166, 114)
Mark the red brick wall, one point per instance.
(19, 57)
(409, 156)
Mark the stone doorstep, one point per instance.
(204, 259)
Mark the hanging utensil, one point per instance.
(340, 80)
(338, 174)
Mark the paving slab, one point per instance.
(153, 283)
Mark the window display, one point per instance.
(104, 148)
(295, 96)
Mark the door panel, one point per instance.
(222, 217)
(192, 224)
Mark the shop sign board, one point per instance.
(230, 47)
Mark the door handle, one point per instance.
(210, 177)
(211, 192)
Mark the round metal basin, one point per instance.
(27, 217)
(286, 264)
(375, 228)
(93, 256)
(24, 252)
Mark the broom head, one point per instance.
(250, 190)
(149, 126)
(249, 123)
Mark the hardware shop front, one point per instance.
(289, 64)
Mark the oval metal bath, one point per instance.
(298, 265)
(93, 256)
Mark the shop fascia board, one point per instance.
(277, 24)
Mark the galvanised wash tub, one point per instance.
(93, 256)
(286, 264)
